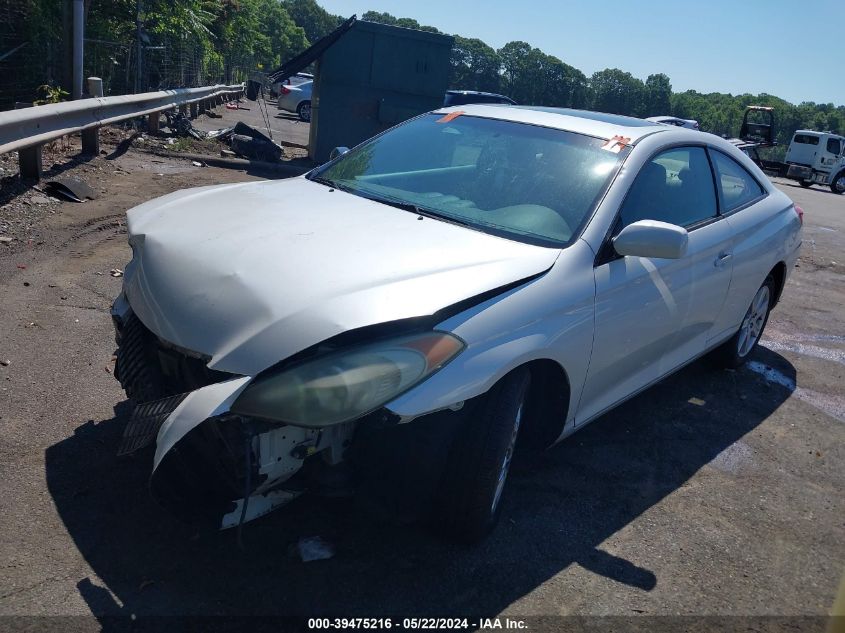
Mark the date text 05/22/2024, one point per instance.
(412, 624)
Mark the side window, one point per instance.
(675, 186)
(736, 186)
(833, 146)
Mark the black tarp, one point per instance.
(301, 61)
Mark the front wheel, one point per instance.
(304, 111)
(479, 462)
(837, 185)
(735, 351)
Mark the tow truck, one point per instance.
(812, 157)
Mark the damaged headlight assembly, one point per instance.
(348, 384)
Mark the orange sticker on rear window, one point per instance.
(450, 117)
(616, 144)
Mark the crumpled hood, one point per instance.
(252, 273)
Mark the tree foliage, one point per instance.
(313, 18)
(475, 66)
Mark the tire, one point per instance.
(734, 352)
(837, 185)
(468, 502)
(304, 111)
(806, 183)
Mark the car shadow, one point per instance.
(555, 515)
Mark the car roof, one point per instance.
(598, 124)
(475, 92)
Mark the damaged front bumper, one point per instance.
(211, 468)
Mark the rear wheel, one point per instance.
(471, 491)
(837, 185)
(735, 351)
(304, 111)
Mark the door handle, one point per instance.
(722, 259)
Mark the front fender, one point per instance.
(550, 317)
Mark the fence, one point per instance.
(34, 50)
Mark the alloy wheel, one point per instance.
(752, 324)
(506, 461)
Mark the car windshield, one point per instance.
(521, 181)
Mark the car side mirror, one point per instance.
(651, 238)
(338, 151)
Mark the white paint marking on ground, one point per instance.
(833, 355)
(832, 405)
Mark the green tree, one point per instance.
(313, 18)
(475, 66)
(615, 91)
(658, 95)
(405, 23)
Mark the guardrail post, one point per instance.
(194, 110)
(29, 163)
(152, 123)
(91, 141)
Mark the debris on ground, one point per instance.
(250, 143)
(5, 363)
(181, 125)
(70, 188)
(312, 548)
(116, 272)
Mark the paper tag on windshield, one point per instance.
(450, 117)
(616, 144)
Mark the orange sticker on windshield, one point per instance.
(450, 117)
(616, 144)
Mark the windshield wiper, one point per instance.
(333, 184)
(421, 211)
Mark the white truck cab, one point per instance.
(817, 158)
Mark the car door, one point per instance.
(651, 314)
(742, 202)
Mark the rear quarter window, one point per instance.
(806, 139)
(737, 187)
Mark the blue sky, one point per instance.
(790, 49)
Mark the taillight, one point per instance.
(800, 213)
(285, 91)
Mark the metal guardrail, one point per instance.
(27, 129)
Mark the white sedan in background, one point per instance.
(296, 98)
(673, 120)
(509, 272)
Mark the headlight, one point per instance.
(345, 385)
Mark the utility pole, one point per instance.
(139, 57)
(78, 43)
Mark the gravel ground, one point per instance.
(713, 493)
